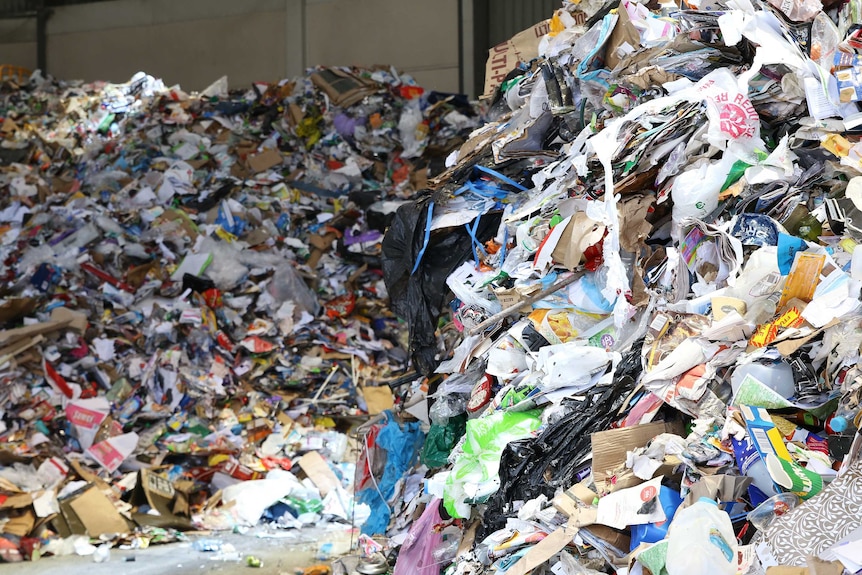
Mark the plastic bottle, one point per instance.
(777, 376)
(846, 419)
(763, 309)
(803, 418)
(701, 541)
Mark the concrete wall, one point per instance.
(193, 42)
(417, 36)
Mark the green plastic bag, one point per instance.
(441, 439)
(475, 477)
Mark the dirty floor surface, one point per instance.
(282, 554)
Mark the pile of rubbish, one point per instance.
(193, 311)
(633, 299)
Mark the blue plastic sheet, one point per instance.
(402, 444)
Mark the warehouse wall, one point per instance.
(193, 42)
(417, 36)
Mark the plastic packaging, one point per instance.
(288, 285)
(102, 553)
(401, 444)
(441, 439)
(701, 541)
(654, 532)
(208, 545)
(848, 417)
(798, 10)
(695, 191)
(777, 376)
(417, 553)
(774, 507)
(476, 471)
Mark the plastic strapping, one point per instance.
(427, 238)
(501, 177)
(477, 245)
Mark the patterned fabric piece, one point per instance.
(820, 522)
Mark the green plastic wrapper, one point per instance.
(474, 477)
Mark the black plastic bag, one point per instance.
(419, 297)
(554, 459)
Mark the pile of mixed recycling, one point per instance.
(634, 299)
(193, 309)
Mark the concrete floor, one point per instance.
(284, 554)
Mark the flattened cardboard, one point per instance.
(76, 320)
(624, 32)
(21, 522)
(10, 336)
(510, 297)
(343, 88)
(723, 487)
(315, 467)
(566, 502)
(378, 399)
(17, 308)
(610, 447)
(88, 512)
(97, 514)
(155, 491)
(616, 539)
(17, 501)
(265, 160)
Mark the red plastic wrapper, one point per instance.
(341, 306)
(224, 342)
(410, 92)
(213, 298)
(56, 380)
(239, 471)
(257, 345)
(31, 548)
(276, 463)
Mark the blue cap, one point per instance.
(838, 423)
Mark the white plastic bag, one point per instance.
(732, 117)
(695, 191)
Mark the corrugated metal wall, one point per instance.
(508, 17)
(496, 21)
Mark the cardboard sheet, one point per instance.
(313, 464)
(96, 513)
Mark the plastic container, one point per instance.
(654, 532)
(777, 376)
(701, 541)
(750, 464)
(775, 506)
